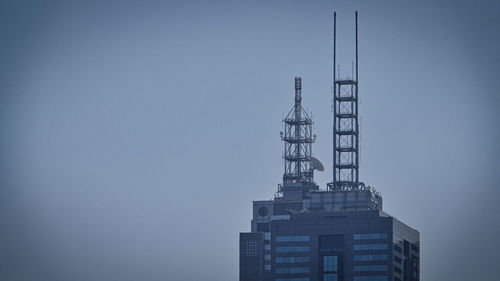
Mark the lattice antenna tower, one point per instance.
(298, 140)
(345, 124)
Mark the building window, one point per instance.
(267, 257)
(396, 279)
(415, 248)
(361, 247)
(330, 277)
(406, 248)
(370, 236)
(251, 248)
(293, 279)
(397, 259)
(267, 247)
(292, 238)
(292, 259)
(371, 278)
(370, 257)
(397, 269)
(292, 249)
(267, 267)
(397, 248)
(370, 268)
(330, 263)
(291, 270)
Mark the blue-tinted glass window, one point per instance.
(361, 247)
(292, 238)
(330, 263)
(289, 270)
(292, 259)
(370, 236)
(330, 277)
(397, 269)
(397, 259)
(371, 278)
(370, 257)
(370, 268)
(292, 249)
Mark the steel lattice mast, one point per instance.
(298, 140)
(345, 125)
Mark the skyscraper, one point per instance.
(337, 234)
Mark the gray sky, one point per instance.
(134, 136)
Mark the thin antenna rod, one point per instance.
(357, 104)
(334, 95)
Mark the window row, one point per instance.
(292, 238)
(369, 236)
(370, 268)
(291, 270)
(292, 249)
(371, 278)
(361, 247)
(370, 257)
(292, 259)
(330, 277)
(293, 279)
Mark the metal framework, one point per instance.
(345, 125)
(298, 140)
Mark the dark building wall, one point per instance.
(251, 256)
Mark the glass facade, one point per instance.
(331, 268)
(293, 279)
(361, 247)
(370, 268)
(292, 238)
(292, 259)
(370, 236)
(370, 257)
(288, 270)
(292, 249)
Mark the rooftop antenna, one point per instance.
(298, 139)
(345, 124)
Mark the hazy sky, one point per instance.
(134, 135)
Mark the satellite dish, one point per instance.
(317, 165)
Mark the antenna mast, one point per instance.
(345, 125)
(298, 141)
